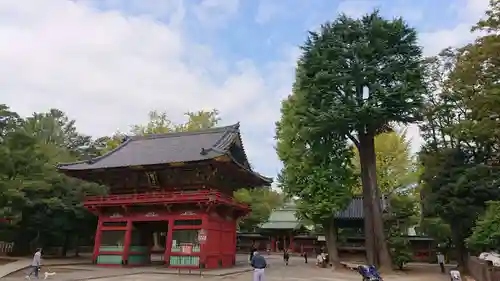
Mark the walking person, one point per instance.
(440, 258)
(259, 264)
(304, 254)
(286, 256)
(252, 251)
(35, 264)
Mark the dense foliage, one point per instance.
(45, 206)
(403, 214)
(262, 201)
(486, 233)
(355, 77)
(316, 171)
(460, 157)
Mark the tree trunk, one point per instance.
(331, 241)
(461, 251)
(375, 242)
(65, 246)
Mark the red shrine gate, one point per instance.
(211, 219)
(185, 214)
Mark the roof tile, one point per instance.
(166, 148)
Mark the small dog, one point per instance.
(47, 274)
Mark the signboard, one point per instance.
(151, 214)
(116, 215)
(186, 248)
(188, 213)
(202, 236)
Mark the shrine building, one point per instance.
(170, 196)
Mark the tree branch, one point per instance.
(353, 139)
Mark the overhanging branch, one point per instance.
(353, 139)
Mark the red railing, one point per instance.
(163, 197)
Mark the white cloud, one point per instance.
(174, 10)
(268, 9)
(107, 70)
(467, 14)
(214, 13)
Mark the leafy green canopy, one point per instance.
(354, 78)
(45, 206)
(360, 75)
(316, 170)
(402, 216)
(486, 233)
(461, 132)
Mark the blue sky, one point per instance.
(108, 62)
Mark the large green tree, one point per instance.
(461, 120)
(354, 79)
(318, 171)
(45, 206)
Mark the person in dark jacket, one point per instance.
(252, 251)
(304, 254)
(286, 256)
(259, 264)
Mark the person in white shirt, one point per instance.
(35, 264)
(440, 258)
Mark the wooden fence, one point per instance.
(6, 247)
(481, 270)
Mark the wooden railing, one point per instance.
(481, 270)
(6, 247)
(164, 197)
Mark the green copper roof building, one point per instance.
(283, 218)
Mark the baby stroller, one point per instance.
(369, 273)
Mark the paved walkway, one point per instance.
(23, 263)
(296, 271)
(81, 269)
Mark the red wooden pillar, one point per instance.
(97, 240)
(273, 244)
(168, 243)
(203, 246)
(235, 241)
(128, 238)
(291, 241)
(150, 243)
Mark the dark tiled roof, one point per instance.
(166, 148)
(355, 210)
